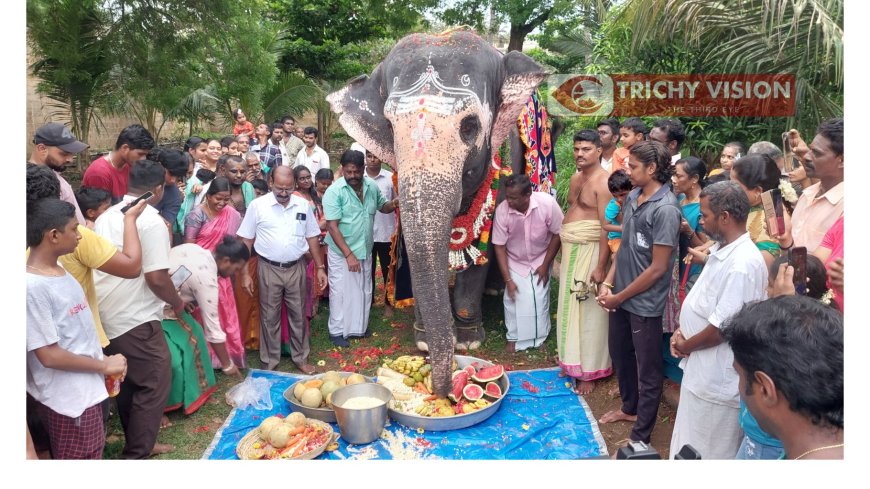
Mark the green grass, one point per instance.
(392, 337)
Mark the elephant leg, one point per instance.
(467, 313)
(420, 332)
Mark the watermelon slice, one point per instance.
(460, 380)
(472, 392)
(492, 391)
(471, 370)
(488, 374)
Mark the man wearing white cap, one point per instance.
(55, 147)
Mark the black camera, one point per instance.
(638, 450)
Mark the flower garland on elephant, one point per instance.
(469, 236)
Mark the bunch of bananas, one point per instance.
(414, 366)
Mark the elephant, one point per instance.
(435, 109)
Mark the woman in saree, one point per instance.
(206, 225)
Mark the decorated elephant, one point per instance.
(436, 109)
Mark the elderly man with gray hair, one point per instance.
(769, 149)
(708, 417)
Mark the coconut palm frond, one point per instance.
(292, 93)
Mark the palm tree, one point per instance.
(801, 37)
(72, 48)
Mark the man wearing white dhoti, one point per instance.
(349, 206)
(708, 416)
(526, 238)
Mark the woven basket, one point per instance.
(246, 450)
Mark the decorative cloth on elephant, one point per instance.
(581, 323)
(534, 129)
(526, 237)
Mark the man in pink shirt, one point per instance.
(55, 146)
(821, 204)
(830, 251)
(112, 171)
(526, 238)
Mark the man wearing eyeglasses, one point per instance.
(281, 228)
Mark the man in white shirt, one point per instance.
(608, 132)
(281, 228)
(385, 224)
(131, 311)
(671, 133)
(312, 156)
(708, 416)
(291, 145)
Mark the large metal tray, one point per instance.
(323, 414)
(461, 420)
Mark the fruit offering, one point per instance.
(408, 377)
(317, 393)
(290, 437)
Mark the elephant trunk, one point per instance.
(428, 204)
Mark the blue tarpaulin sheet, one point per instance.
(540, 418)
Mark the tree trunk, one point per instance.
(518, 37)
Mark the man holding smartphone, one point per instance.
(131, 311)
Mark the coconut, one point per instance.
(355, 379)
(312, 398)
(267, 425)
(279, 436)
(298, 390)
(295, 419)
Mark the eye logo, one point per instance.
(580, 95)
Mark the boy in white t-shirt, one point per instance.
(65, 365)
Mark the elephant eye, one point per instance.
(468, 129)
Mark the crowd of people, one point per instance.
(167, 265)
(662, 260)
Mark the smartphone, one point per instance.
(790, 161)
(797, 257)
(145, 196)
(180, 276)
(772, 202)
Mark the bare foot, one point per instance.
(306, 368)
(164, 422)
(584, 387)
(617, 415)
(161, 448)
(388, 311)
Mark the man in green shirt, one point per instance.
(349, 206)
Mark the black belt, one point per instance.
(286, 264)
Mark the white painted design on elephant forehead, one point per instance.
(363, 105)
(395, 80)
(425, 84)
(465, 80)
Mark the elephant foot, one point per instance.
(470, 337)
(420, 338)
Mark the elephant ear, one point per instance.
(522, 75)
(360, 106)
